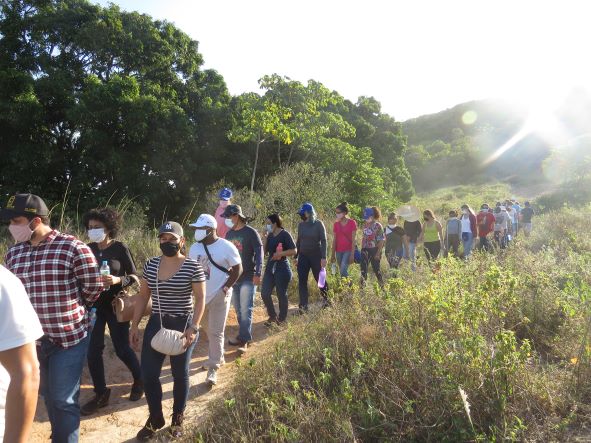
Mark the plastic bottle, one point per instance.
(322, 278)
(105, 270)
(333, 269)
(92, 317)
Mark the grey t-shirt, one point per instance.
(311, 239)
(248, 242)
(454, 226)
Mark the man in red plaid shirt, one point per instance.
(61, 277)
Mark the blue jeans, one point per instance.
(411, 254)
(280, 279)
(467, 241)
(152, 366)
(243, 301)
(305, 265)
(120, 338)
(343, 262)
(61, 369)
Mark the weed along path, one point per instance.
(121, 419)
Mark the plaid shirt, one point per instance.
(60, 275)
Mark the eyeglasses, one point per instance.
(338, 212)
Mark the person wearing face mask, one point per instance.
(431, 235)
(311, 253)
(394, 248)
(222, 265)
(176, 285)
(500, 227)
(343, 244)
(61, 277)
(248, 242)
(277, 271)
(225, 196)
(453, 232)
(372, 243)
(102, 227)
(469, 229)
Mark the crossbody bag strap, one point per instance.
(213, 262)
(160, 306)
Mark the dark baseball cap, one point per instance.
(233, 210)
(171, 227)
(26, 205)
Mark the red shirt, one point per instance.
(60, 275)
(486, 223)
(344, 235)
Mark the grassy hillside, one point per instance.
(493, 349)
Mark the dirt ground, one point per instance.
(121, 419)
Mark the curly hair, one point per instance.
(107, 216)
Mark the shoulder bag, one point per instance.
(124, 304)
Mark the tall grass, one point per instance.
(493, 349)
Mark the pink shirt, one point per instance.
(222, 229)
(344, 235)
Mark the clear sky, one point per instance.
(414, 56)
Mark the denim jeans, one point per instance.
(305, 265)
(467, 241)
(343, 262)
(120, 338)
(411, 254)
(279, 279)
(152, 366)
(243, 301)
(61, 369)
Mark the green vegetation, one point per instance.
(510, 333)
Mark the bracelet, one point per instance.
(195, 328)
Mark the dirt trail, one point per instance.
(121, 419)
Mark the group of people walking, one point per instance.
(55, 304)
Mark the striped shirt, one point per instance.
(60, 275)
(175, 295)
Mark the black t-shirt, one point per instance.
(120, 261)
(413, 230)
(273, 241)
(394, 239)
(248, 242)
(526, 214)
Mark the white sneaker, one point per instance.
(242, 349)
(212, 377)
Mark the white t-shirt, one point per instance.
(224, 254)
(19, 325)
(466, 224)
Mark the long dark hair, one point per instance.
(276, 219)
(343, 207)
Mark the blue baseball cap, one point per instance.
(306, 207)
(368, 212)
(225, 194)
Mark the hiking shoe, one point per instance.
(99, 401)
(303, 310)
(212, 377)
(222, 363)
(152, 425)
(270, 322)
(137, 390)
(236, 342)
(242, 349)
(176, 428)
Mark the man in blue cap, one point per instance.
(225, 196)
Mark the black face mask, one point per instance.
(170, 249)
(303, 217)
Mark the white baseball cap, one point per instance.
(205, 221)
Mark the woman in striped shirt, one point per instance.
(177, 286)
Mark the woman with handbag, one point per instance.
(176, 285)
(102, 226)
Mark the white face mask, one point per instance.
(391, 226)
(229, 223)
(465, 211)
(96, 235)
(21, 233)
(340, 216)
(269, 228)
(200, 234)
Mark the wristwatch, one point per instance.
(195, 328)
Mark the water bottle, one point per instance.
(333, 269)
(105, 270)
(92, 317)
(322, 278)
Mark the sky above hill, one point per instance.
(415, 57)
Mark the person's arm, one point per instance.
(198, 309)
(87, 273)
(422, 234)
(142, 299)
(381, 238)
(258, 258)
(353, 244)
(21, 399)
(323, 244)
(235, 272)
(440, 232)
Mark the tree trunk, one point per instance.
(279, 152)
(290, 153)
(256, 161)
